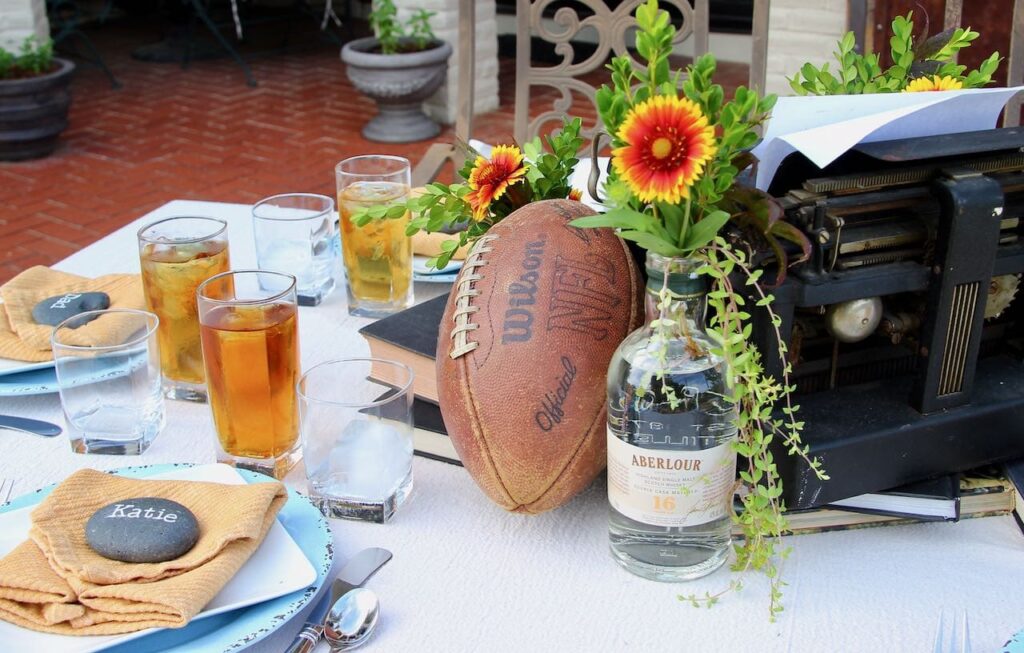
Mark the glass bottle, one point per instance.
(671, 466)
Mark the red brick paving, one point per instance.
(199, 133)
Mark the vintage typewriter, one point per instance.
(906, 342)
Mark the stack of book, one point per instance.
(411, 338)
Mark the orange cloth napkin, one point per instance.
(24, 340)
(54, 582)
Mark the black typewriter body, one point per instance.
(904, 329)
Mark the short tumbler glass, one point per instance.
(378, 256)
(295, 234)
(177, 254)
(357, 437)
(251, 351)
(110, 392)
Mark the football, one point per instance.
(535, 315)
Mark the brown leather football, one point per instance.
(522, 357)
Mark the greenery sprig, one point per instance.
(388, 29)
(34, 58)
(925, 58)
(674, 228)
(670, 205)
(462, 208)
(756, 394)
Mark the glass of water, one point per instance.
(108, 374)
(357, 437)
(295, 235)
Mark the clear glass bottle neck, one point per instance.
(689, 310)
(686, 302)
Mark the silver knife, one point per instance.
(354, 573)
(35, 426)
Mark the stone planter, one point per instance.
(399, 83)
(34, 112)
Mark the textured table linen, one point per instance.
(467, 576)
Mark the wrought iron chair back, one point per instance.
(614, 27)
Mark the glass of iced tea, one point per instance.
(177, 254)
(249, 330)
(378, 256)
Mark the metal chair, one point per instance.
(66, 20)
(613, 27)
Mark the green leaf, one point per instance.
(652, 243)
(622, 219)
(702, 232)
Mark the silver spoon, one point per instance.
(352, 619)
(26, 425)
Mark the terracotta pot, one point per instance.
(399, 83)
(34, 112)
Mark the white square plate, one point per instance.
(277, 568)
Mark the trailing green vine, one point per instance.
(678, 147)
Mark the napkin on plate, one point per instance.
(24, 340)
(55, 583)
(425, 244)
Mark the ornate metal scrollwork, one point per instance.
(613, 26)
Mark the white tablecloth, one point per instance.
(467, 576)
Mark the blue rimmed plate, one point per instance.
(240, 628)
(33, 382)
(1015, 645)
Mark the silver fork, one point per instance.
(953, 634)
(6, 490)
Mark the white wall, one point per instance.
(19, 19)
(442, 107)
(800, 31)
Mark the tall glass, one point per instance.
(357, 437)
(378, 257)
(178, 254)
(108, 375)
(250, 344)
(295, 234)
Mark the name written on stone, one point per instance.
(145, 529)
(54, 310)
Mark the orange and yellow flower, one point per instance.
(668, 143)
(933, 83)
(575, 194)
(490, 178)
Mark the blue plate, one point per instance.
(35, 382)
(237, 630)
(1015, 645)
(44, 380)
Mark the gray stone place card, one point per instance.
(54, 310)
(146, 529)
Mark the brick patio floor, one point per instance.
(199, 133)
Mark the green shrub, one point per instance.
(34, 58)
(389, 30)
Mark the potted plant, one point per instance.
(34, 100)
(399, 67)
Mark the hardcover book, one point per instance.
(430, 439)
(981, 495)
(409, 337)
(932, 500)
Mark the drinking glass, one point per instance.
(177, 254)
(109, 389)
(378, 257)
(357, 437)
(295, 234)
(251, 351)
